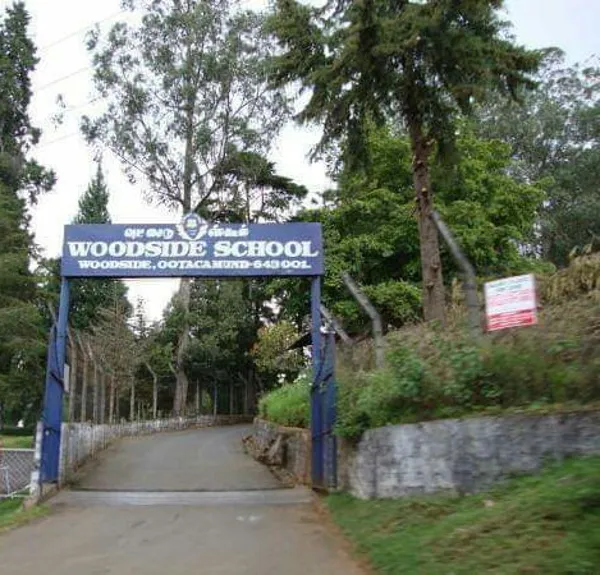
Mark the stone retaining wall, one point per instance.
(465, 455)
(284, 448)
(457, 455)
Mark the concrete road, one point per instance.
(145, 520)
(209, 459)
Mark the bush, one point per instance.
(289, 404)
(432, 374)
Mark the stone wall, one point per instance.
(457, 455)
(463, 455)
(285, 449)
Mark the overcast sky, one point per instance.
(58, 30)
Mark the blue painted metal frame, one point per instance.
(323, 400)
(316, 411)
(323, 419)
(329, 391)
(53, 398)
(323, 395)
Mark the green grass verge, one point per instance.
(13, 515)
(16, 442)
(547, 524)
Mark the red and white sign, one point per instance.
(511, 302)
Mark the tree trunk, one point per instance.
(103, 399)
(197, 398)
(84, 386)
(154, 396)
(154, 390)
(132, 400)
(431, 265)
(231, 402)
(215, 400)
(95, 417)
(182, 382)
(246, 402)
(72, 377)
(111, 402)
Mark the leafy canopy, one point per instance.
(421, 62)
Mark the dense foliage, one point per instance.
(411, 97)
(22, 329)
(370, 232)
(433, 373)
(418, 64)
(554, 135)
(289, 404)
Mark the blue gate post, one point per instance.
(316, 410)
(53, 398)
(330, 410)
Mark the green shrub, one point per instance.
(289, 404)
(434, 374)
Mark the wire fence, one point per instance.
(16, 466)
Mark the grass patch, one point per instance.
(435, 373)
(438, 374)
(288, 405)
(16, 442)
(548, 524)
(13, 515)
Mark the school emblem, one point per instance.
(192, 227)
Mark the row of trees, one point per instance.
(421, 104)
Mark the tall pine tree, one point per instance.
(90, 296)
(420, 63)
(22, 334)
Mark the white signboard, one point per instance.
(511, 302)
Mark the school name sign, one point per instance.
(192, 248)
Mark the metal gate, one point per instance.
(298, 253)
(51, 421)
(53, 398)
(323, 416)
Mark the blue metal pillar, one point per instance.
(53, 398)
(316, 411)
(330, 412)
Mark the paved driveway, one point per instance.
(171, 504)
(210, 459)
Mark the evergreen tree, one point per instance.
(90, 296)
(22, 333)
(93, 205)
(422, 63)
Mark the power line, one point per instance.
(63, 78)
(82, 105)
(81, 30)
(56, 140)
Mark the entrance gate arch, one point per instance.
(195, 248)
